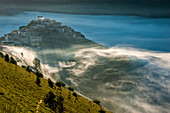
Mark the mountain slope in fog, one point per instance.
(20, 93)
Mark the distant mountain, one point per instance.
(46, 33)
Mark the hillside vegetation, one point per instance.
(20, 93)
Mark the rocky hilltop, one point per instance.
(45, 33)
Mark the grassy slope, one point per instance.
(19, 93)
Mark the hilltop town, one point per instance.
(31, 35)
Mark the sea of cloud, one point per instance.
(139, 82)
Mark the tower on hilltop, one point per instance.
(40, 17)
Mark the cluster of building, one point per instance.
(28, 35)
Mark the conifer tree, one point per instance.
(7, 57)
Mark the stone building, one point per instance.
(39, 26)
(15, 32)
(10, 43)
(35, 41)
(78, 35)
(57, 24)
(60, 29)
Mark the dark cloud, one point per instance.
(154, 8)
(123, 2)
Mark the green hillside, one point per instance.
(20, 93)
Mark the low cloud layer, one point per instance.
(123, 79)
